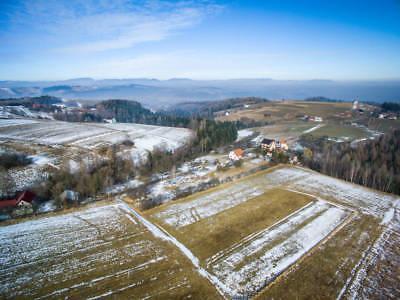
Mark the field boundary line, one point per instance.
(161, 233)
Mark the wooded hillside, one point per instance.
(373, 163)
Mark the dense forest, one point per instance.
(124, 111)
(373, 163)
(206, 109)
(45, 103)
(322, 99)
(390, 106)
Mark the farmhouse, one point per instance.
(281, 145)
(236, 154)
(268, 145)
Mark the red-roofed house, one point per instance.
(236, 154)
(23, 199)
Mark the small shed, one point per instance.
(70, 196)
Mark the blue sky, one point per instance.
(342, 40)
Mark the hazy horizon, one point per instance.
(94, 78)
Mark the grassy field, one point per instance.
(288, 111)
(269, 230)
(100, 252)
(246, 166)
(338, 131)
(231, 225)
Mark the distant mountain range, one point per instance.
(162, 94)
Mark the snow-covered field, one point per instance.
(92, 135)
(247, 266)
(95, 253)
(16, 122)
(211, 203)
(186, 213)
(251, 264)
(370, 201)
(377, 273)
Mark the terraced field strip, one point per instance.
(329, 188)
(257, 260)
(204, 205)
(186, 213)
(233, 224)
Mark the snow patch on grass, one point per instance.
(244, 133)
(183, 214)
(251, 267)
(313, 128)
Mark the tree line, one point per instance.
(372, 163)
(91, 179)
(390, 106)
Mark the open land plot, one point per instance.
(367, 200)
(339, 132)
(258, 259)
(14, 122)
(232, 225)
(287, 110)
(288, 130)
(100, 252)
(206, 204)
(324, 273)
(278, 224)
(91, 135)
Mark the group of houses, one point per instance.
(267, 145)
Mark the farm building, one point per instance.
(236, 154)
(268, 145)
(281, 145)
(69, 196)
(23, 199)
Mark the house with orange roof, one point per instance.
(236, 154)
